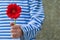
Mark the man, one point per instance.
(27, 25)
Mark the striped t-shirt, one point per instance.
(31, 18)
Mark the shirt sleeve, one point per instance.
(37, 17)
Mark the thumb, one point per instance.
(12, 24)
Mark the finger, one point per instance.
(13, 30)
(12, 24)
(14, 35)
(15, 27)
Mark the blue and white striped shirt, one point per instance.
(31, 19)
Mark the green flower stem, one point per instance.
(14, 21)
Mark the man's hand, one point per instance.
(16, 31)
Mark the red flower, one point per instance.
(13, 11)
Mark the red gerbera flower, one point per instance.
(13, 11)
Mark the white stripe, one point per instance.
(12, 21)
(3, 6)
(4, 27)
(2, 15)
(10, 3)
(21, 4)
(14, 1)
(6, 7)
(6, 39)
(4, 24)
(21, 13)
(20, 16)
(33, 5)
(4, 18)
(5, 31)
(35, 1)
(5, 36)
(9, 24)
(9, 18)
(2, 9)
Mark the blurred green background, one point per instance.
(51, 26)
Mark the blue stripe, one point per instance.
(5, 32)
(1, 6)
(6, 38)
(37, 20)
(13, 20)
(31, 26)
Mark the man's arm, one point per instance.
(37, 16)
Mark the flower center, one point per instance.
(13, 11)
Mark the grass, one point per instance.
(51, 26)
